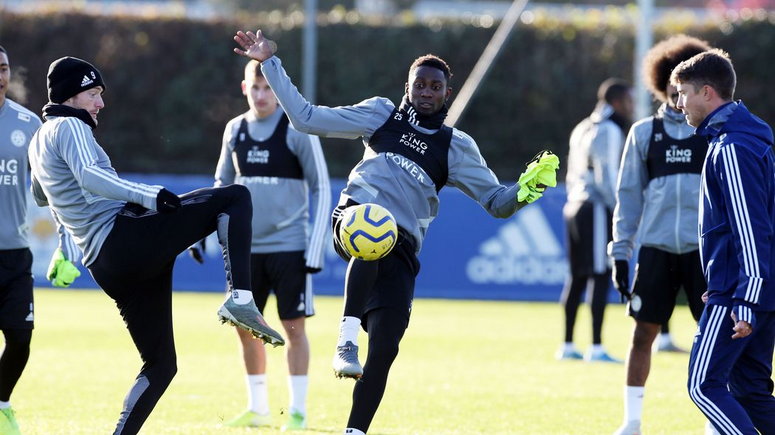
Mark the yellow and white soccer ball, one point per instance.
(368, 231)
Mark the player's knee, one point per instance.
(699, 392)
(17, 339)
(643, 337)
(239, 192)
(385, 351)
(164, 371)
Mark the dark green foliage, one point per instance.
(173, 84)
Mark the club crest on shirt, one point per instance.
(18, 138)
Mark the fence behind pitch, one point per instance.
(467, 253)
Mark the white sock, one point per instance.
(596, 349)
(258, 394)
(351, 431)
(665, 338)
(241, 297)
(297, 386)
(568, 346)
(348, 330)
(4, 405)
(633, 403)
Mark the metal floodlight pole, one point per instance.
(485, 62)
(644, 38)
(309, 51)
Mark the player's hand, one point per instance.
(166, 201)
(61, 271)
(254, 45)
(529, 194)
(197, 251)
(541, 172)
(621, 278)
(744, 319)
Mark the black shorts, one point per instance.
(659, 275)
(588, 228)
(285, 274)
(16, 303)
(396, 277)
(397, 271)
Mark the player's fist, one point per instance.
(61, 271)
(166, 201)
(621, 278)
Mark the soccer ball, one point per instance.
(368, 231)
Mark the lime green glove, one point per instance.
(529, 194)
(61, 271)
(540, 172)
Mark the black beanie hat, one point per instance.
(69, 76)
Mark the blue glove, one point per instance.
(61, 271)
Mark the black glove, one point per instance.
(622, 279)
(197, 251)
(166, 201)
(312, 270)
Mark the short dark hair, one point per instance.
(613, 89)
(713, 68)
(2, 50)
(432, 61)
(253, 67)
(664, 57)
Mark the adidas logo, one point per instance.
(86, 81)
(525, 251)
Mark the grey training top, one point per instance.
(593, 159)
(17, 125)
(281, 206)
(662, 212)
(392, 180)
(72, 174)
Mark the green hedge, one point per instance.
(173, 84)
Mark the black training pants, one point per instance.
(134, 267)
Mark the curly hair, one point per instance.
(664, 57)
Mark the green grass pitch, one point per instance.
(465, 367)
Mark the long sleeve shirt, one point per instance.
(660, 212)
(282, 205)
(737, 209)
(389, 180)
(72, 174)
(593, 160)
(17, 125)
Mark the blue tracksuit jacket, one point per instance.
(737, 209)
(730, 380)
